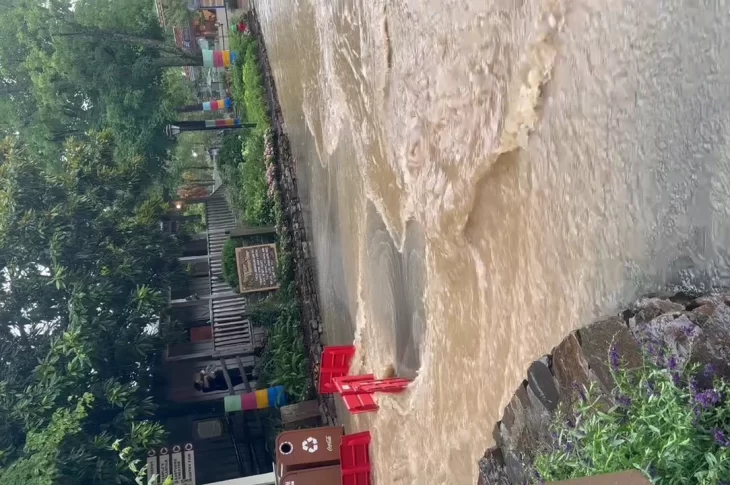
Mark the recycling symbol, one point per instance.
(310, 445)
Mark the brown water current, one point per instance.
(481, 177)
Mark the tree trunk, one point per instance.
(179, 57)
(188, 60)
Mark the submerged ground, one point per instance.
(482, 177)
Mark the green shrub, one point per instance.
(257, 207)
(284, 361)
(237, 90)
(662, 424)
(229, 153)
(239, 44)
(268, 312)
(228, 262)
(255, 102)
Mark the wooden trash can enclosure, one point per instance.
(307, 448)
(323, 456)
(323, 475)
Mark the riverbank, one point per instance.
(291, 227)
(681, 339)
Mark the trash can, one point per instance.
(307, 448)
(324, 475)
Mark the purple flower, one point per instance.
(710, 370)
(720, 438)
(688, 330)
(614, 358)
(672, 362)
(708, 398)
(675, 378)
(693, 386)
(623, 401)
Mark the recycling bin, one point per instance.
(308, 448)
(324, 475)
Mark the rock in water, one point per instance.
(387, 372)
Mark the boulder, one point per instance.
(597, 340)
(492, 469)
(666, 336)
(712, 346)
(570, 369)
(542, 384)
(648, 309)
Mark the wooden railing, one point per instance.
(232, 332)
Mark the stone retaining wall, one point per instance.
(695, 330)
(306, 282)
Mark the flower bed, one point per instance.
(285, 359)
(660, 421)
(646, 390)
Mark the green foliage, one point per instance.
(247, 180)
(69, 419)
(284, 361)
(230, 153)
(228, 259)
(239, 43)
(75, 66)
(230, 160)
(257, 206)
(176, 13)
(661, 424)
(257, 109)
(141, 475)
(267, 313)
(83, 267)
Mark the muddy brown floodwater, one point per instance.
(483, 176)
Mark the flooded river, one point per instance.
(481, 177)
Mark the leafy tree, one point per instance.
(70, 67)
(83, 264)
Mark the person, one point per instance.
(212, 379)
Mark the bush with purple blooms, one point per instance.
(659, 422)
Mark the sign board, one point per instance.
(152, 468)
(257, 268)
(177, 461)
(189, 464)
(164, 465)
(177, 464)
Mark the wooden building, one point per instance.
(217, 332)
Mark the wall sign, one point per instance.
(176, 461)
(257, 268)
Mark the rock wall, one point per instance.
(693, 330)
(306, 282)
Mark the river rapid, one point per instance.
(481, 177)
